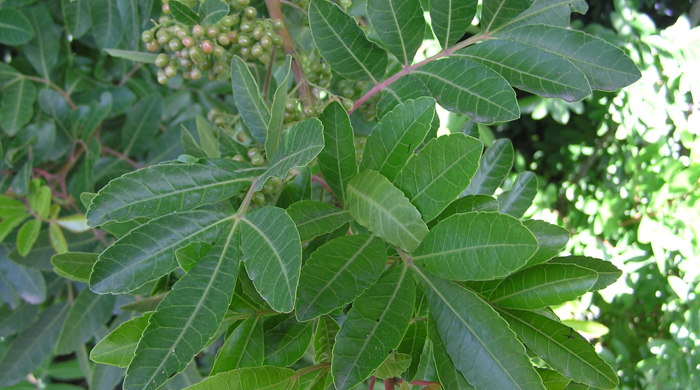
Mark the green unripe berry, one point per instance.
(187, 42)
(237, 157)
(197, 56)
(185, 63)
(175, 44)
(228, 21)
(308, 112)
(162, 60)
(162, 78)
(348, 104)
(276, 40)
(256, 51)
(259, 198)
(152, 46)
(163, 39)
(250, 12)
(147, 36)
(170, 71)
(266, 42)
(218, 51)
(345, 3)
(244, 40)
(163, 19)
(290, 106)
(195, 74)
(218, 69)
(257, 161)
(245, 52)
(212, 32)
(269, 188)
(277, 24)
(246, 27)
(223, 39)
(258, 33)
(252, 152)
(197, 31)
(165, 8)
(243, 3)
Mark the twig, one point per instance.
(290, 4)
(322, 182)
(130, 73)
(372, 381)
(122, 157)
(58, 89)
(389, 384)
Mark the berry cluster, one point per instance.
(209, 48)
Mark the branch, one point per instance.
(58, 89)
(389, 384)
(122, 157)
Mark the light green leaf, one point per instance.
(165, 188)
(449, 376)
(496, 360)
(373, 327)
(31, 347)
(518, 199)
(272, 254)
(382, 208)
(606, 67)
(183, 13)
(299, 146)
(493, 168)
(40, 201)
(399, 25)
(85, 317)
(186, 318)
(118, 347)
(337, 272)
(450, 19)
(212, 11)
(495, 13)
(548, 12)
(106, 23)
(552, 240)
(267, 378)
(476, 246)
(27, 235)
(286, 343)
(552, 380)
(141, 127)
(337, 159)
(207, 139)
(607, 272)
(562, 348)
(439, 173)
(14, 28)
(276, 124)
(394, 366)
(57, 239)
(343, 44)
(12, 214)
(531, 69)
(250, 104)
(543, 285)
(148, 252)
(16, 108)
(314, 218)
(244, 347)
(467, 87)
(136, 56)
(397, 135)
(324, 339)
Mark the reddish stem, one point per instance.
(389, 384)
(322, 182)
(372, 381)
(423, 383)
(122, 157)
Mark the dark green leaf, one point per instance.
(337, 160)
(287, 342)
(543, 285)
(607, 272)
(551, 239)
(493, 168)
(136, 56)
(324, 339)
(42, 51)
(373, 327)
(467, 87)
(77, 17)
(476, 246)
(190, 255)
(343, 44)
(398, 134)
(268, 378)
(26, 282)
(400, 26)
(338, 272)
(141, 125)
(276, 124)
(212, 11)
(439, 173)
(106, 23)
(16, 108)
(182, 13)
(449, 376)
(88, 314)
(131, 22)
(382, 208)
(495, 13)
(16, 320)
(407, 87)
(314, 218)
(250, 104)
(413, 344)
(518, 199)
(272, 249)
(118, 347)
(450, 19)
(244, 347)
(14, 28)
(562, 348)
(548, 12)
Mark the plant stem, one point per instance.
(410, 69)
(372, 381)
(389, 384)
(122, 157)
(58, 89)
(246, 201)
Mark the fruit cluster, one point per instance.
(193, 50)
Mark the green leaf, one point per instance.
(268, 378)
(467, 87)
(57, 239)
(548, 12)
(314, 218)
(495, 13)
(562, 348)
(449, 376)
(496, 360)
(518, 199)
(606, 66)
(272, 249)
(187, 318)
(212, 11)
(373, 327)
(413, 344)
(14, 320)
(552, 240)
(183, 14)
(467, 204)
(439, 173)
(42, 51)
(397, 135)
(299, 146)
(16, 108)
(141, 127)
(106, 23)
(276, 124)
(148, 252)
(493, 168)
(207, 138)
(343, 44)
(190, 255)
(337, 272)
(394, 366)
(244, 347)
(405, 88)
(250, 104)
(85, 317)
(607, 272)
(118, 347)
(27, 235)
(399, 25)
(14, 28)
(337, 159)
(31, 347)
(286, 343)
(324, 339)
(543, 285)
(382, 208)
(40, 201)
(132, 21)
(531, 69)
(131, 55)
(476, 246)
(26, 282)
(552, 380)
(165, 188)
(450, 19)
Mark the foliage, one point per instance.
(223, 251)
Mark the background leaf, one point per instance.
(286, 343)
(106, 23)
(14, 28)
(607, 272)
(399, 24)
(519, 197)
(493, 168)
(141, 125)
(212, 11)
(244, 347)
(16, 108)
(495, 13)
(450, 19)
(337, 159)
(118, 347)
(86, 316)
(276, 124)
